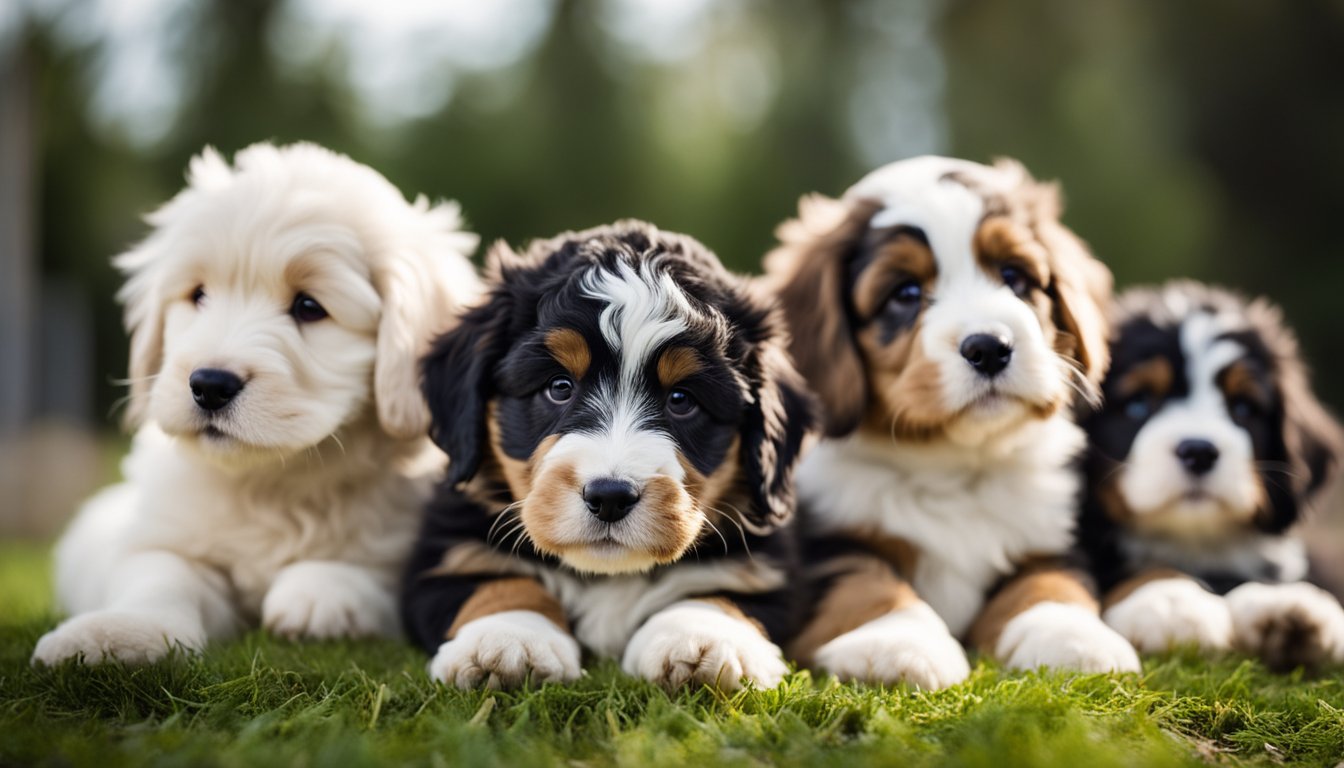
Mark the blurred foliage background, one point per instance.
(1198, 138)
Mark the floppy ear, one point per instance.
(144, 311)
(1312, 437)
(1081, 288)
(780, 417)
(807, 274)
(458, 380)
(423, 284)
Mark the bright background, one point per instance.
(1201, 138)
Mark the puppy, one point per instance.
(622, 422)
(946, 319)
(277, 313)
(1209, 447)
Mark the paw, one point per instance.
(1165, 613)
(1287, 625)
(1066, 637)
(104, 636)
(323, 601)
(910, 646)
(504, 649)
(695, 643)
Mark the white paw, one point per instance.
(1163, 614)
(327, 600)
(1064, 636)
(103, 636)
(1288, 625)
(912, 646)
(694, 642)
(503, 649)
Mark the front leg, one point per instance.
(491, 630)
(1288, 625)
(159, 601)
(1162, 608)
(1047, 617)
(707, 641)
(324, 599)
(870, 626)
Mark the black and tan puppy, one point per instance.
(947, 319)
(1209, 448)
(622, 421)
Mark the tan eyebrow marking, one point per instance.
(678, 363)
(570, 349)
(1153, 376)
(999, 241)
(1239, 380)
(904, 255)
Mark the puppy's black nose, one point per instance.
(1198, 456)
(987, 354)
(610, 499)
(212, 388)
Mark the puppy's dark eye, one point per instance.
(198, 295)
(1242, 409)
(1017, 280)
(1138, 407)
(305, 309)
(907, 293)
(560, 390)
(681, 403)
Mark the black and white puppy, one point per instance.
(1208, 450)
(622, 420)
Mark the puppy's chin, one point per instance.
(219, 448)
(607, 558)
(1192, 514)
(991, 417)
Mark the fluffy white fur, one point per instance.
(971, 512)
(503, 650)
(297, 502)
(695, 642)
(1064, 636)
(1165, 613)
(911, 646)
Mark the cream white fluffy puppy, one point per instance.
(277, 312)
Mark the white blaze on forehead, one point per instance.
(645, 309)
(1205, 353)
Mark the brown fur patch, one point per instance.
(866, 590)
(677, 519)
(1000, 241)
(1127, 587)
(509, 595)
(556, 489)
(901, 259)
(711, 491)
(1151, 376)
(678, 363)
(1028, 588)
(1240, 380)
(570, 349)
(808, 274)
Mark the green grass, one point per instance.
(260, 701)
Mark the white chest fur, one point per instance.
(351, 508)
(971, 513)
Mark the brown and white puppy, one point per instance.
(1209, 448)
(623, 422)
(947, 320)
(277, 312)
